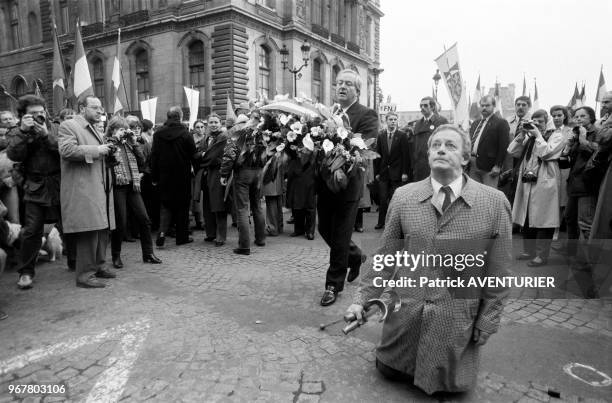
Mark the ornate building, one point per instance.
(218, 47)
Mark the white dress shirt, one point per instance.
(438, 195)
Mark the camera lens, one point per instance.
(40, 119)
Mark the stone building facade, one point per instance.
(218, 47)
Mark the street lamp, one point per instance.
(437, 77)
(376, 72)
(305, 48)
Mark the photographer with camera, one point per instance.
(34, 144)
(536, 201)
(86, 191)
(128, 159)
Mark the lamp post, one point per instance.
(305, 48)
(376, 72)
(437, 77)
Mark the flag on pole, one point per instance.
(536, 100)
(573, 103)
(448, 63)
(601, 87)
(582, 95)
(498, 102)
(229, 110)
(148, 108)
(82, 79)
(475, 104)
(524, 86)
(116, 77)
(58, 75)
(193, 99)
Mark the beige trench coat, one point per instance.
(430, 336)
(541, 199)
(86, 192)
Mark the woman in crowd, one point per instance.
(215, 206)
(199, 132)
(127, 161)
(536, 202)
(560, 117)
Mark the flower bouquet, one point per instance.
(311, 132)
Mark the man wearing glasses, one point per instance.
(422, 131)
(86, 192)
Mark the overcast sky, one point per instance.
(558, 42)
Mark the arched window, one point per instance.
(264, 72)
(20, 88)
(142, 75)
(317, 90)
(197, 79)
(15, 34)
(34, 28)
(64, 17)
(334, 76)
(98, 79)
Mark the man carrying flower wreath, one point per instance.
(337, 205)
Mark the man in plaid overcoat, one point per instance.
(434, 338)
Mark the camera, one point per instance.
(40, 119)
(111, 159)
(529, 176)
(528, 125)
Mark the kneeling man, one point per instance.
(433, 340)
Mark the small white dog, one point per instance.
(52, 245)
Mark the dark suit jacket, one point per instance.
(493, 142)
(365, 121)
(392, 165)
(418, 144)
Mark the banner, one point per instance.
(116, 77)
(193, 99)
(386, 107)
(82, 80)
(148, 109)
(448, 63)
(475, 113)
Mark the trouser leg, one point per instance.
(31, 238)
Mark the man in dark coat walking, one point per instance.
(172, 158)
(337, 211)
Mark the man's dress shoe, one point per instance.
(151, 259)
(117, 263)
(104, 273)
(329, 296)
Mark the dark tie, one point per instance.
(390, 140)
(447, 197)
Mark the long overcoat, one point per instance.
(542, 198)
(211, 162)
(429, 337)
(301, 184)
(86, 192)
(172, 157)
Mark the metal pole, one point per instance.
(294, 84)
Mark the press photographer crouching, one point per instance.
(34, 143)
(127, 159)
(536, 201)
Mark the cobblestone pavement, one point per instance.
(208, 325)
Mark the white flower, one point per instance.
(296, 127)
(280, 147)
(359, 143)
(308, 143)
(342, 132)
(315, 131)
(283, 119)
(327, 146)
(291, 136)
(337, 120)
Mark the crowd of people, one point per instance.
(95, 178)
